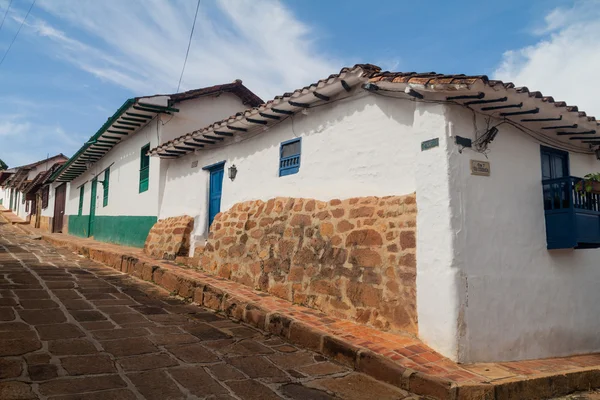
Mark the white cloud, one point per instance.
(11, 126)
(24, 140)
(565, 61)
(140, 44)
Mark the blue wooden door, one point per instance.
(216, 188)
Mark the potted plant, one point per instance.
(589, 184)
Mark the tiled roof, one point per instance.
(19, 178)
(4, 175)
(432, 79)
(134, 115)
(514, 104)
(236, 87)
(257, 113)
(42, 178)
(60, 156)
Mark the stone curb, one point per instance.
(187, 284)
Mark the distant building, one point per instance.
(15, 181)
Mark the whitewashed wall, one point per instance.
(524, 301)
(5, 196)
(49, 211)
(197, 113)
(358, 147)
(124, 159)
(124, 162)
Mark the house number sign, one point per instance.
(430, 144)
(481, 168)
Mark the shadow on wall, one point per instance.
(352, 259)
(368, 132)
(318, 121)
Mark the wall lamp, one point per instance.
(232, 172)
(597, 153)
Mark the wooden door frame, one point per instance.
(57, 207)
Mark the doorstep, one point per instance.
(401, 360)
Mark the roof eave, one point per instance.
(133, 106)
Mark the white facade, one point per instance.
(124, 160)
(19, 207)
(521, 300)
(362, 146)
(487, 287)
(124, 163)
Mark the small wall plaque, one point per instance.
(430, 144)
(481, 168)
(194, 164)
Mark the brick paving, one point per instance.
(71, 328)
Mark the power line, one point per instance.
(188, 47)
(5, 14)
(17, 34)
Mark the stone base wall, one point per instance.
(170, 237)
(353, 259)
(46, 224)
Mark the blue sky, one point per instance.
(75, 62)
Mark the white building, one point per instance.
(14, 181)
(112, 188)
(506, 248)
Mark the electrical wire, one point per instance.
(184, 61)
(5, 14)
(17, 34)
(188, 47)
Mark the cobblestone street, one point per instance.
(71, 328)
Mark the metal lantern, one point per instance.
(232, 171)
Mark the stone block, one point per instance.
(170, 237)
(306, 336)
(278, 324)
(340, 351)
(438, 388)
(255, 316)
(212, 298)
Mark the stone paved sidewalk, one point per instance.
(71, 328)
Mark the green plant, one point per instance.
(3, 165)
(587, 183)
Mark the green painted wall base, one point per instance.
(124, 230)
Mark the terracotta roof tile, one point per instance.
(374, 74)
(236, 87)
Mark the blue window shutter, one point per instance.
(289, 157)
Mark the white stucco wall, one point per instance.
(439, 280)
(5, 196)
(49, 211)
(197, 113)
(357, 147)
(124, 162)
(524, 301)
(124, 159)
